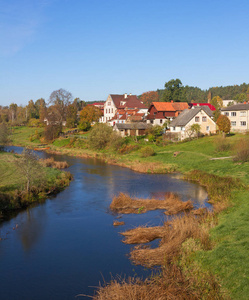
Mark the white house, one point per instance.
(238, 115)
(202, 115)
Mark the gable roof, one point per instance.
(169, 106)
(240, 106)
(135, 125)
(131, 101)
(188, 114)
(203, 104)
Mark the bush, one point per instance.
(242, 150)
(100, 136)
(84, 126)
(116, 141)
(52, 132)
(222, 144)
(125, 149)
(147, 151)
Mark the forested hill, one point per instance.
(229, 92)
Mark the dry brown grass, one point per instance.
(141, 235)
(124, 204)
(174, 234)
(118, 223)
(50, 162)
(171, 284)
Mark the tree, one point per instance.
(100, 136)
(71, 115)
(148, 97)
(224, 124)
(13, 110)
(241, 97)
(4, 135)
(90, 114)
(31, 110)
(29, 166)
(174, 91)
(217, 102)
(193, 130)
(60, 99)
(40, 105)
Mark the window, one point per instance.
(161, 121)
(109, 110)
(112, 110)
(207, 128)
(174, 129)
(242, 123)
(233, 113)
(233, 123)
(151, 121)
(182, 128)
(106, 110)
(242, 113)
(204, 119)
(226, 114)
(197, 119)
(108, 103)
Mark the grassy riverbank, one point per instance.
(229, 256)
(13, 192)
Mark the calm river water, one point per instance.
(67, 245)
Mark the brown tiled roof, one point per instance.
(131, 101)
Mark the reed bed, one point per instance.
(171, 284)
(142, 235)
(124, 204)
(118, 223)
(175, 232)
(50, 162)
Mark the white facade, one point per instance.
(239, 120)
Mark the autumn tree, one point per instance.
(88, 115)
(193, 130)
(31, 109)
(217, 102)
(71, 115)
(148, 97)
(174, 91)
(224, 124)
(13, 111)
(40, 105)
(60, 99)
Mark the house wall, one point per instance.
(109, 110)
(239, 120)
(206, 127)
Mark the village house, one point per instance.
(202, 104)
(162, 112)
(180, 127)
(238, 115)
(117, 105)
(131, 129)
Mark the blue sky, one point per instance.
(96, 47)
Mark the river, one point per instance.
(67, 245)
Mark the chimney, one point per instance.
(130, 94)
(125, 95)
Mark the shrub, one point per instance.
(100, 136)
(222, 144)
(242, 150)
(147, 151)
(116, 141)
(125, 149)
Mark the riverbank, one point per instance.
(228, 258)
(13, 192)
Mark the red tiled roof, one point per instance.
(163, 106)
(180, 106)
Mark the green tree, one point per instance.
(100, 136)
(224, 124)
(241, 97)
(174, 91)
(218, 104)
(29, 166)
(4, 135)
(71, 115)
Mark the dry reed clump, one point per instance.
(50, 162)
(118, 223)
(141, 235)
(123, 203)
(170, 284)
(176, 232)
(200, 211)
